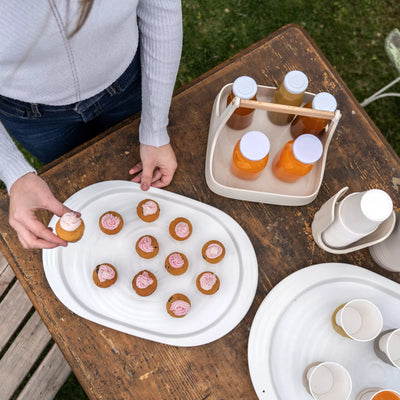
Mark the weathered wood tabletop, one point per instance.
(113, 365)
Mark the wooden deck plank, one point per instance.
(13, 309)
(54, 370)
(48, 378)
(22, 355)
(3, 262)
(6, 276)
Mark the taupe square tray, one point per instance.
(266, 188)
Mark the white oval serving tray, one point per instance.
(292, 329)
(266, 188)
(69, 270)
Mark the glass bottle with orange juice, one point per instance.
(250, 155)
(297, 158)
(244, 87)
(290, 92)
(301, 124)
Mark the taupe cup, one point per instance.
(387, 253)
(387, 347)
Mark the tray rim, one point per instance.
(217, 122)
(201, 336)
(282, 294)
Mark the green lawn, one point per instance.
(350, 33)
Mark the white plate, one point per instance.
(69, 270)
(292, 329)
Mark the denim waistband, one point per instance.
(21, 109)
(127, 77)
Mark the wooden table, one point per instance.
(114, 365)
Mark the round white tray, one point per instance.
(69, 270)
(292, 329)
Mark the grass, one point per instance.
(350, 33)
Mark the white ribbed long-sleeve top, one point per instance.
(40, 64)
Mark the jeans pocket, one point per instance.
(10, 108)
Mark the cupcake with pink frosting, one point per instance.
(213, 251)
(148, 210)
(105, 275)
(180, 229)
(144, 283)
(207, 282)
(147, 246)
(111, 222)
(70, 227)
(176, 263)
(178, 305)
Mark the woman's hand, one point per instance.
(27, 195)
(156, 168)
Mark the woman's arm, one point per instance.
(160, 35)
(12, 162)
(28, 193)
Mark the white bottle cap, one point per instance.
(244, 87)
(254, 145)
(295, 82)
(324, 101)
(307, 149)
(376, 205)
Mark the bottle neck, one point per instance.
(282, 95)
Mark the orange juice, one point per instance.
(386, 395)
(302, 124)
(290, 92)
(297, 158)
(250, 155)
(245, 88)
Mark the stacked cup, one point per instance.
(358, 215)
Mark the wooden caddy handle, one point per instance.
(307, 112)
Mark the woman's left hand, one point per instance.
(156, 168)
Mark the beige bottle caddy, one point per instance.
(266, 188)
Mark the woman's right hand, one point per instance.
(156, 168)
(27, 195)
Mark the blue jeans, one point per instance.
(47, 132)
